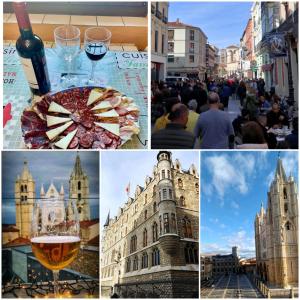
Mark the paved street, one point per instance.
(231, 286)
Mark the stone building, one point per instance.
(159, 40)
(206, 267)
(150, 249)
(225, 264)
(232, 61)
(25, 197)
(276, 233)
(186, 50)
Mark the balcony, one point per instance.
(165, 19)
(158, 15)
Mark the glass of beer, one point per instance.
(55, 235)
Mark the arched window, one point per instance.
(170, 194)
(284, 193)
(288, 226)
(191, 254)
(169, 174)
(182, 201)
(160, 225)
(25, 188)
(155, 257)
(166, 223)
(124, 249)
(79, 185)
(145, 214)
(25, 199)
(173, 222)
(154, 232)
(187, 228)
(197, 187)
(146, 196)
(154, 190)
(180, 184)
(154, 207)
(133, 244)
(134, 224)
(286, 207)
(128, 265)
(22, 189)
(163, 174)
(145, 237)
(79, 209)
(145, 260)
(135, 266)
(79, 197)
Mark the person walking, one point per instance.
(214, 126)
(174, 136)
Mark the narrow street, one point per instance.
(231, 286)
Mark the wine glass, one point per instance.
(96, 43)
(55, 235)
(67, 40)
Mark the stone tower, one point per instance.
(24, 198)
(79, 190)
(277, 232)
(282, 236)
(169, 237)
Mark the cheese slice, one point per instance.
(53, 133)
(51, 120)
(108, 114)
(102, 105)
(54, 107)
(113, 128)
(65, 141)
(94, 96)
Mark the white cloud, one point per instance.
(290, 162)
(214, 220)
(234, 204)
(230, 172)
(222, 226)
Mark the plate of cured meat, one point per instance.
(81, 117)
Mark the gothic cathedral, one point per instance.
(276, 233)
(25, 196)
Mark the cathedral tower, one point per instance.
(24, 199)
(169, 237)
(79, 190)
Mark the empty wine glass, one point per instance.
(67, 40)
(96, 43)
(55, 235)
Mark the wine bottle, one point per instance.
(31, 50)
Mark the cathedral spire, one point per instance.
(42, 193)
(25, 173)
(279, 169)
(77, 171)
(262, 211)
(107, 220)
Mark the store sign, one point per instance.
(132, 60)
(277, 45)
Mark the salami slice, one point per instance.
(86, 140)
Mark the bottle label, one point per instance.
(29, 72)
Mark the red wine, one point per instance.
(95, 51)
(32, 54)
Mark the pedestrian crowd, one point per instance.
(194, 114)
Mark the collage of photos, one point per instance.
(150, 149)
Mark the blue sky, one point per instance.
(47, 167)
(233, 185)
(222, 22)
(120, 168)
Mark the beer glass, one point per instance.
(55, 235)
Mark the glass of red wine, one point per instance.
(96, 43)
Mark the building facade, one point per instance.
(276, 233)
(232, 61)
(186, 50)
(210, 60)
(206, 267)
(247, 51)
(25, 197)
(150, 249)
(225, 264)
(159, 40)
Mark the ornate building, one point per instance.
(150, 249)
(25, 196)
(276, 233)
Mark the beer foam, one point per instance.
(55, 239)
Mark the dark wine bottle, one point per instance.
(32, 53)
